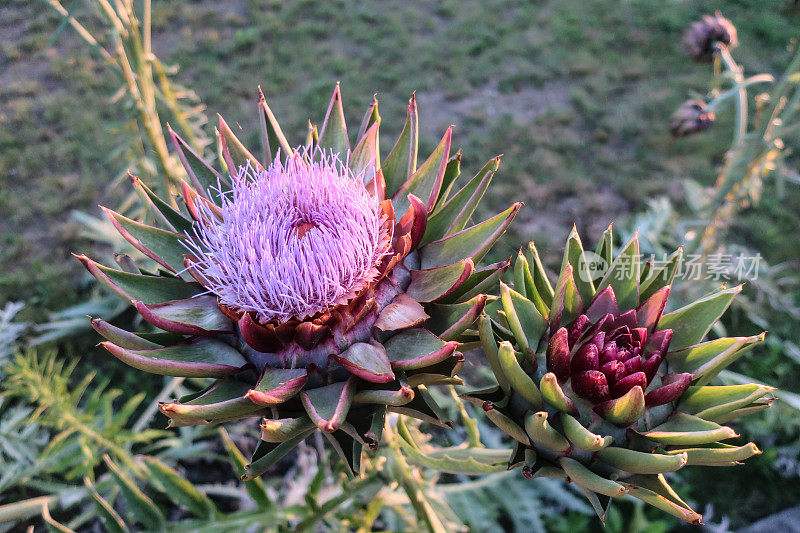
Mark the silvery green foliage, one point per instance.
(480, 508)
(10, 331)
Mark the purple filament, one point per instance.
(296, 239)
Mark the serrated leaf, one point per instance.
(112, 521)
(179, 489)
(458, 460)
(141, 507)
(255, 487)
(269, 453)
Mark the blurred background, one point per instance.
(576, 94)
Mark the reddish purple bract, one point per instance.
(619, 351)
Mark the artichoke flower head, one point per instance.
(316, 287)
(598, 385)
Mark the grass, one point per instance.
(575, 93)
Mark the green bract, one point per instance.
(338, 370)
(597, 385)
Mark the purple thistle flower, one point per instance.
(294, 240)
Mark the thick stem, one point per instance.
(741, 101)
(78, 27)
(743, 152)
(149, 118)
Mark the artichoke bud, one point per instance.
(702, 36)
(317, 287)
(617, 393)
(691, 117)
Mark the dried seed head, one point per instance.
(702, 36)
(691, 117)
